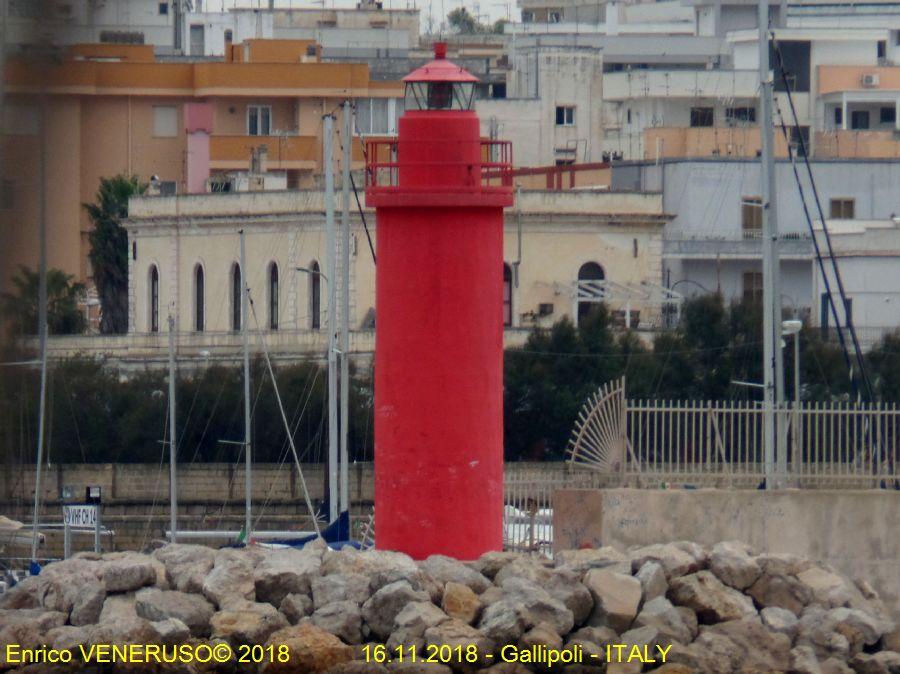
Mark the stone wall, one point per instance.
(856, 532)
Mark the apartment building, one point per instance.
(713, 243)
(102, 110)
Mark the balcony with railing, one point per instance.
(390, 176)
(285, 151)
(718, 84)
(708, 141)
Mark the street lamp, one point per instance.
(793, 327)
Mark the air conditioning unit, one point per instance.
(870, 80)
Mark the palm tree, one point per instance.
(63, 292)
(109, 249)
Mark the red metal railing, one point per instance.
(492, 174)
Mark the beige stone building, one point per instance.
(563, 250)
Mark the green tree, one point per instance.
(109, 249)
(464, 23)
(63, 292)
(498, 26)
(884, 366)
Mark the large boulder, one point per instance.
(412, 622)
(284, 572)
(246, 623)
(340, 587)
(186, 565)
(781, 590)
(171, 631)
(309, 650)
(342, 619)
(127, 572)
(193, 610)
(231, 579)
(502, 622)
(381, 567)
(560, 583)
(709, 598)
(443, 570)
(382, 607)
(653, 580)
(756, 648)
(731, 562)
(26, 628)
(673, 623)
(827, 588)
(536, 605)
(460, 602)
(674, 561)
(295, 607)
(490, 563)
(885, 662)
(616, 598)
(779, 620)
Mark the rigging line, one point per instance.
(834, 264)
(209, 419)
(359, 207)
(819, 259)
(162, 456)
(287, 427)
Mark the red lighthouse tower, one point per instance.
(439, 193)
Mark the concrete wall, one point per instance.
(856, 532)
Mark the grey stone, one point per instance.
(885, 662)
(295, 607)
(284, 572)
(582, 561)
(128, 572)
(616, 598)
(536, 605)
(674, 561)
(709, 598)
(490, 563)
(171, 631)
(779, 620)
(411, 623)
(340, 587)
(783, 591)
(186, 565)
(560, 583)
(230, 580)
(671, 622)
(193, 610)
(382, 607)
(246, 623)
(731, 562)
(653, 580)
(458, 635)
(340, 618)
(502, 622)
(443, 570)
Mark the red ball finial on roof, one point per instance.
(440, 50)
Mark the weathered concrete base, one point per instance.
(856, 532)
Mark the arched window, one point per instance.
(589, 293)
(315, 296)
(154, 298)
(273, 296)
(236, 292)
(507, 296)
(199, 299)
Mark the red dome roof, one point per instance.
(440, 70)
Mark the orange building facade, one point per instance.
(103, 110)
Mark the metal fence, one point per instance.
(822, 444)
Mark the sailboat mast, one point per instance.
(42, 327)
(245, 315)
(173, 485)
(331, 245)
(345, 305)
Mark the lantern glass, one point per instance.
(439, 95)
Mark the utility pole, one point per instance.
(173, 485)
(245, 315)
(331, 245)
(345, 304)
(772, 357)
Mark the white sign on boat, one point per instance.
(80, 516)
